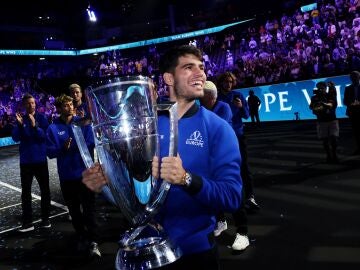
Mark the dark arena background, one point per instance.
(309, 209)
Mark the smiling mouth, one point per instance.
(198, 83)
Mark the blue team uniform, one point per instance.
(238, 113)
(188, 214)
(69, 162)
(32, 139)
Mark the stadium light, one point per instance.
(91, 14)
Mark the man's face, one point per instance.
(189, 78)
(30, 105)
(67, 108)
(227, 84)
(76, 94)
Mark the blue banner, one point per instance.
(281, 102)
(7, 141)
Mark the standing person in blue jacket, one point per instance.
(30, 132)
(204, 175)
(80, 200)
(222, 109)
(240, 110)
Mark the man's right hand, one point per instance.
(355, 103)
(94, 178)
(67, 143)
(19, 119)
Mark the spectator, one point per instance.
(323, 104)
(254, 103)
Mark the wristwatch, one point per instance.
(187, 178)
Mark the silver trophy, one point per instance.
(124, 122)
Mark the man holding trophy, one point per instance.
(204, 175)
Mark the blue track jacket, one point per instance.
(32, 139)
(209, 151)
(238, 114)
(69, 162)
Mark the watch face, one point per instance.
(188, 179)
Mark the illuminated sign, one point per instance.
(7, 141)
(308, 7)
(121, 46)
(284, 101)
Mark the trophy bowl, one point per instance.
(125, 127)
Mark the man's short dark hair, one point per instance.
(26, 97)
(170, 59)
(226, 75)
(62, 99)
(321, 85)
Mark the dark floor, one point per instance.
(309, 217)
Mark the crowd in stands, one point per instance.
(303, 45)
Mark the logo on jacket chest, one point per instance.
(195, 139)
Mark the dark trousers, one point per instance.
(81, 203)
(355, 124)
(255, 117)
(208, 260)
(244, 168)
(240, 215)
(41, 173)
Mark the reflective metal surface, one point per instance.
(123, 111)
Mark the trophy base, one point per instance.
(147, 253)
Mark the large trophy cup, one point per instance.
(124, 122)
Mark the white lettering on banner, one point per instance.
(306, 94)
(282, 100)
(267, 102)
(271, 98)
(338, 96)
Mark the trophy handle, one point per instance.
(85, 154)
(172, 108)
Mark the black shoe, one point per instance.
(251, 204)
(26, 228)
(45, 224)
(94, 250)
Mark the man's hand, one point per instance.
(355, 103)
(19, 119)
(67, 143)
(94, 178)
(32, 120)
(237, 102)
(171, 169)
(80, 113)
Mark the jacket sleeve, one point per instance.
(245, 108)
(53, 148)
(222, 190)
(17, 133)
(39, 131)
